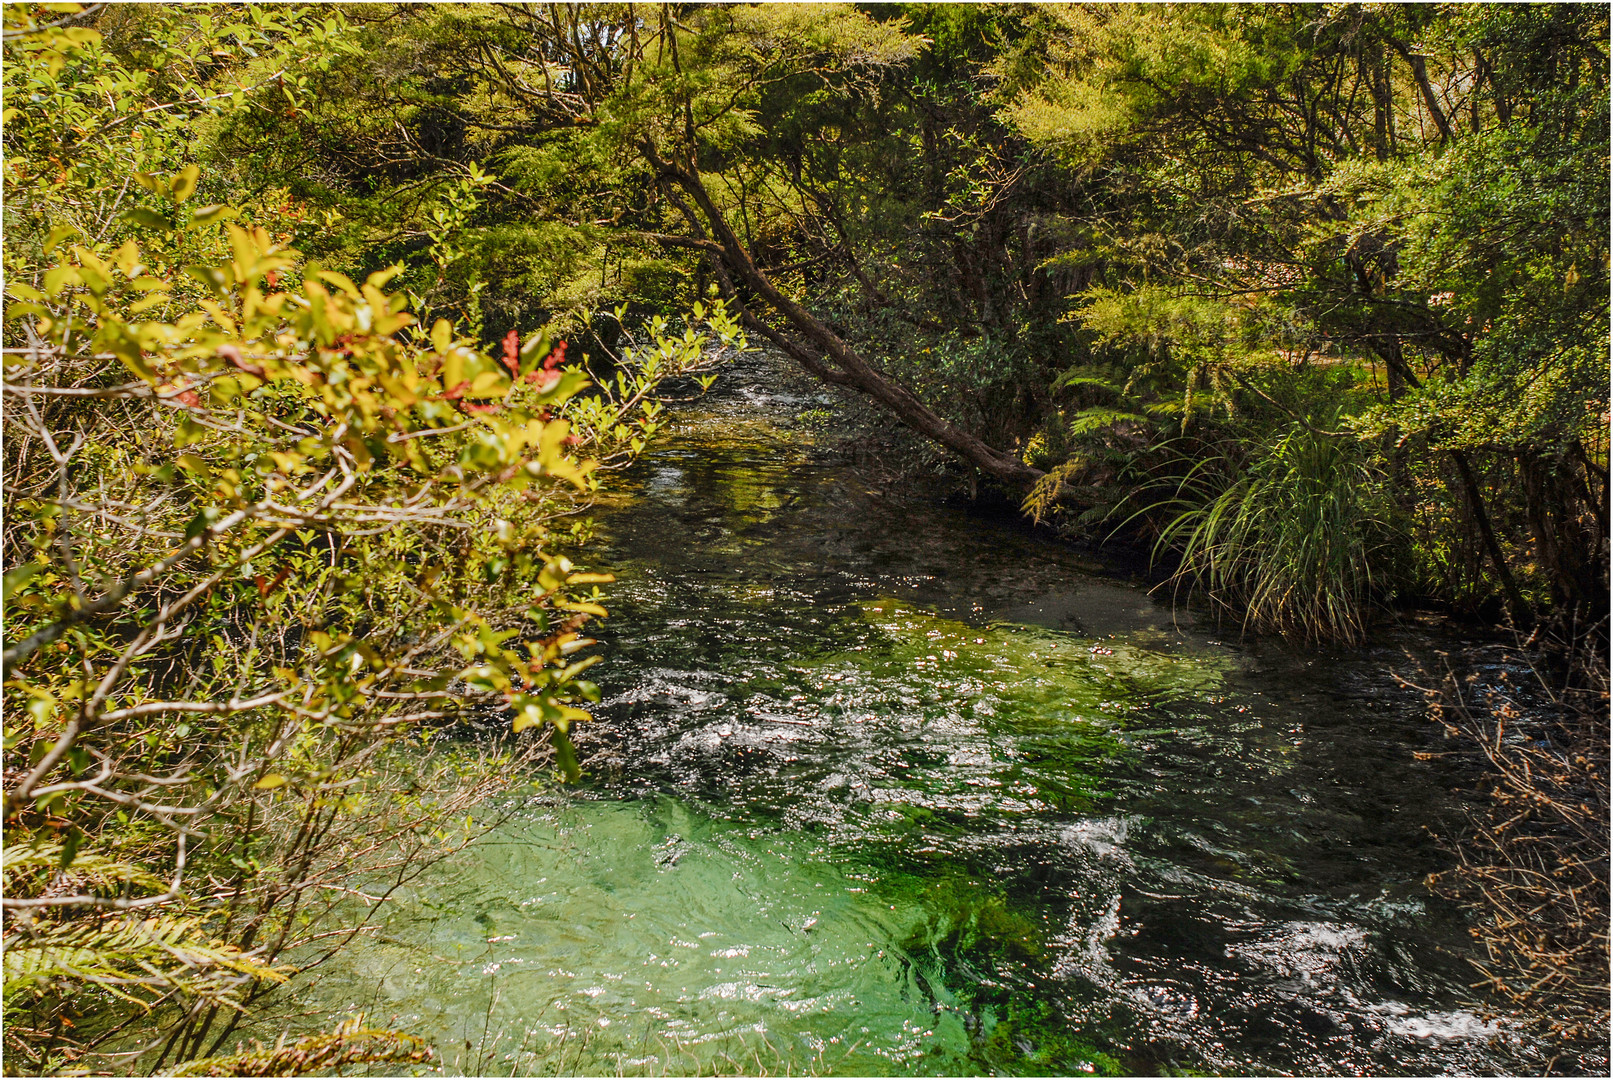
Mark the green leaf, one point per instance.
(16, 579)
(70, 846)
(565, 756)
(42, 707)
(58, 278)
(537, 347)
(22, 310)
(214, 212)
(204, 519)
(212, 277)
(151, 301)
(341, 281)
(188, 431)
(193, 465)
(147, 218)
(121, 341)
(57, 235)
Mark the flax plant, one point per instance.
(1299, 541)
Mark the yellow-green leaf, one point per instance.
(184, 185)
(584, 608)
(57, 235)
(17, 578)
(127, 259)
(488, 384)
(59, 277)
(42, 707)
(147, 218)
(154, 300)
(213, 212)
(527, 717)
(341, 281)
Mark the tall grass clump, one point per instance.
(1299, 541)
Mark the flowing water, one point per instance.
(887, 787)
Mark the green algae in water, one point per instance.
(981, 932)
(642, 937)
(607, 937)
(604, 935)
(1029, 1040)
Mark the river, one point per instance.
(885, 786)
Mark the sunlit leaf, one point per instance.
(183, 185)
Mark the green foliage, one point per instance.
(266, 536)
(131, 958)
(1183, 200)
(1361, 189)
(105, 146)
(1497, 231)
(296, 454)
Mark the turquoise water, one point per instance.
(881, 786)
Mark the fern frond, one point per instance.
(1044, 494)
(88, 871)
(1089, 420)
(1078, 376)
(349, 1044)
(125, 955)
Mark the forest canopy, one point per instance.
(1130, 261)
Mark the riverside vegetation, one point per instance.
(322, 325)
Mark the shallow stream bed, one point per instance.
(890, 787)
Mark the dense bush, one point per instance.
(265, 538)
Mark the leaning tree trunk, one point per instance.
(817, 347)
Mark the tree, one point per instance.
(1097, 242)
(1358, 187)
(643, 132)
